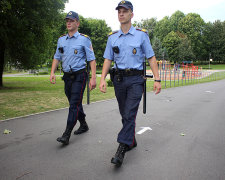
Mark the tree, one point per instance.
(171, 42)
(58, 30)
(157, 47)
(25, 31)
(163, 27)
(207, 38)
(217, 36)
(98, 32)
(148, 24)
(187, 37)
(185, 50)
(178, 46)
(160, 52)
(175, 19)
(192, 25)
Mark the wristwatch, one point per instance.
(157, 80)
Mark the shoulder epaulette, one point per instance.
(143, 30)
(113, 32)
(85, 35)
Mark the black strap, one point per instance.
(76, 72)
(129, 72)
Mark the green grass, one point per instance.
(185, 82)
(14, 72)
(26, 95)
(213, 66)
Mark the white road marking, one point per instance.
(143, 130)
(209, 92)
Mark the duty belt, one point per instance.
(75, 72)
(128, 72)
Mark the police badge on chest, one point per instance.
(134, 51)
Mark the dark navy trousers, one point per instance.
(128, 93)
(74, 90)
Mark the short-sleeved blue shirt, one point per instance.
(73, 51)
(134, 47)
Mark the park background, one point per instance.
(29, 31)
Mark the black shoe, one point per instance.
(65, 137)
(118, 158)
(133, 145)
(82, 129)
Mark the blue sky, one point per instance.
(209, 10)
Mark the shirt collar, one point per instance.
(74, 36)
(131, 31)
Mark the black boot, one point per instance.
(82, 129)
(65, 137)
(118, 158)
(133, 145)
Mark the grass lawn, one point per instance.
(213, 66)
(26, 95)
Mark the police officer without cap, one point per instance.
(128, 48)
(73, 49)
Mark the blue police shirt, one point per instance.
(76, 50)
(134, 47)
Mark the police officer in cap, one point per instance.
(72, 50)
(128, 48)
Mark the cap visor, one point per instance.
(124, 6)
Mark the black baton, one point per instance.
(144, 91)
(88, 80)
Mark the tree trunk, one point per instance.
(2, 52)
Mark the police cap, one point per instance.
(125, 4)
(72, 15)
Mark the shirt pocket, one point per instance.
(135, 52)
(77, 51)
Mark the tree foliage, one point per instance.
(192, 25)
(175, 20)
(187, 37)
(160, 52)
(98, 32)
(185, 52)
(216, 37)
(171, 42)
(148, 24)
(25, 31)
(163, 27)
(29, 31)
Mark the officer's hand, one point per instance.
(102, 86)
(92, 84)
(52, 78)
(157, 87)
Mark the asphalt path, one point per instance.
(187, 140)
